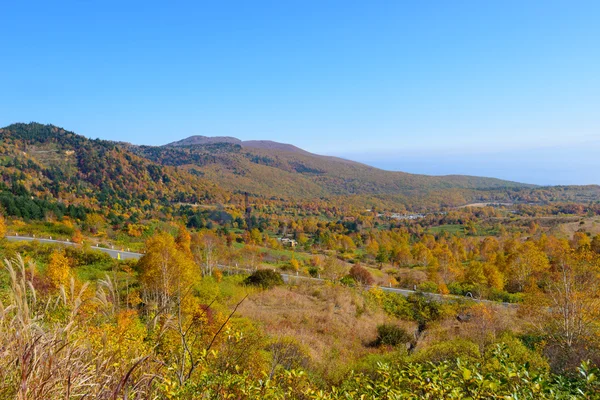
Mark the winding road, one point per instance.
(117, 254)
(288, 278)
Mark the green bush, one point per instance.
(460, 289)
(424, 310)
(519, 353)
(396, 304)
(392, 335)
(348, 281)
(504, 296)
(448, 351)
(428, 286)
(264, 278)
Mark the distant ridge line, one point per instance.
(199, 140)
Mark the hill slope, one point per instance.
(49, 162)
(274, 169)
(253, 144)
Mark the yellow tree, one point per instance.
(2, 227)
(526, 262)
(59, 269)
(421, 254)
(184, 241)
(77, 237)
(372, 248)
(401, 254)
(488, 248)
(495, 278)
(166, 271)
(580, 240)
(294, 264)
(205, 249)
(446, 263)
(569, 307)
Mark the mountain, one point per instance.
(204, 140)
(51, 163)
(252, 144)
(272, 169)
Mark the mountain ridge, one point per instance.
(200, 140)
(54, 162)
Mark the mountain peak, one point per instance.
(203, 140)
(199, 140)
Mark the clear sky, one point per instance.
(497, 88)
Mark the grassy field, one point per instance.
(459, 230)
(590, 225)
(454, 229)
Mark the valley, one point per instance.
(212, 263)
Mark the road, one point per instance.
(288, 278)
(118, 254)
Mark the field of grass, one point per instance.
(459, 230)
(455, 229)
(589, 225)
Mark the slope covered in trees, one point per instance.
(256, 168)
(280, 170)
(48, 169)
(58, 166)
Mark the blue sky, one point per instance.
(497, 88)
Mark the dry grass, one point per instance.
(45, 352)
(481, 324)
(333, 322)
(591, 225)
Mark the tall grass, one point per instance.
(46, 351)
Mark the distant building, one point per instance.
(407, 216)
(288, 242)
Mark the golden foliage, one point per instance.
(2, 227)
(184, 241)
(59, 269)
(165, 269)
(77, 237)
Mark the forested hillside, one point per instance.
(258, 166)
(48, 163)
(47, 167)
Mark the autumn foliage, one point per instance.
(59, 269)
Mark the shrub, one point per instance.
(392, 335)
(348, 281)
(264, 278)
(424, 310)
(396, 304)
(504, 296)
(460, 289)
(449, 351)
(361, 275)
(428, 286)
(518, 353)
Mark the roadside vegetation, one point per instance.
(76, 323)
